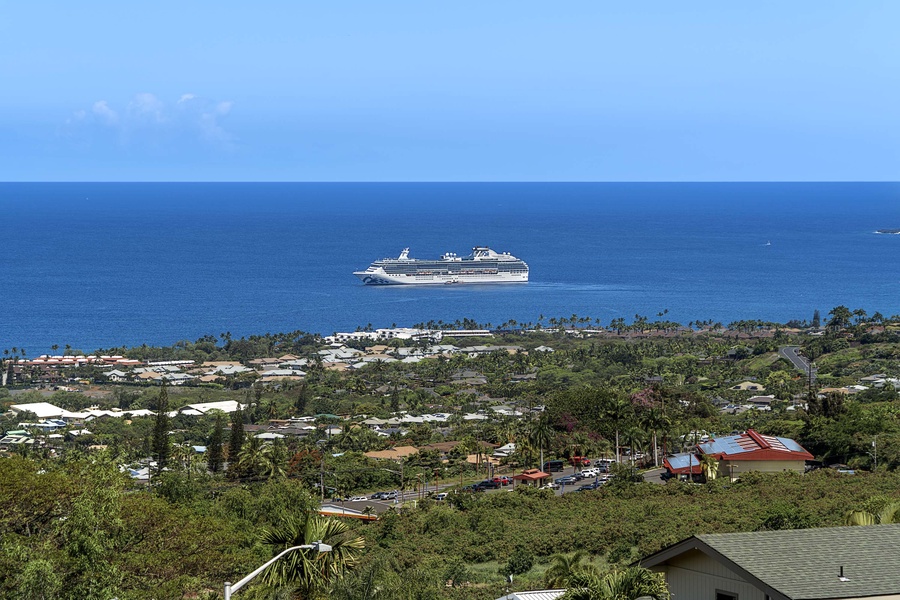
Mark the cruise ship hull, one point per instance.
(482, 266)
(379, 277)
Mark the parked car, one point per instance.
(604, 464)
(552, 466)
(390, 496)
(550, 485)
(504, 480)
(580, 461)
(567, 480)
(592, 472)
(587, 487)
(357, 499)
(440, 497)
(377, 496)
(488, 484)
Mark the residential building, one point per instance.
(737, 454)
(847, 563)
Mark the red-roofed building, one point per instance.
(736, 454)
(532, 476)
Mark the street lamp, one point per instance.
(229, 588)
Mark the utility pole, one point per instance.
(875, 449)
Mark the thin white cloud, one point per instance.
(148, 121)
(104, 112)
(146, 105)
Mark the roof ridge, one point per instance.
(759, 439)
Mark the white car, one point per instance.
(592, 472)
(357, 499)
(440, 497)
(550, 486)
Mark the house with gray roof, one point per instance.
(846, 563)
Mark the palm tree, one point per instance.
(541, 434)
(272, 460)
(634, 437)
(629, 583)
(887, 514)
(184, 454)
(655, 420)
(709, 466)
(310, 572)
(252, 456)
(563, 568)
(617, 411)
(368, 511)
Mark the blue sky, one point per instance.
(455, 91)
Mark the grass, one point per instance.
(489, 572)
(761, 362)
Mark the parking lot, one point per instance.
(393, 497)
(567, 471)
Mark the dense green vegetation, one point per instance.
(74, 525)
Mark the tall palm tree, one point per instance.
(634, 436)
(629, 583)
(309, 572)
(563, 568)
(617, 411)
(541, 433)
(654, 420)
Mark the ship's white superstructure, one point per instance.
(482, 266)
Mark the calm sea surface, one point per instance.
(102, 265)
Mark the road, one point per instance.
(792, 354)
(412, 495)
(654, 475)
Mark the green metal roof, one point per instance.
(805, 564)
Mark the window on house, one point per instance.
(720, 595)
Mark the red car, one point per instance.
(581, 461)
(502, 480)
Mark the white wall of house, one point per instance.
(763, 466)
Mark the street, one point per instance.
(792, 354)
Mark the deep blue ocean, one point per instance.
(109, 264)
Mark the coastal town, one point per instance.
(375, 425)
(450, 301)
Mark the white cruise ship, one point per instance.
(482, 266)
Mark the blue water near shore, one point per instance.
(109, 264)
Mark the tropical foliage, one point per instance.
(628, 583)
(72, 525)
(310, 573)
